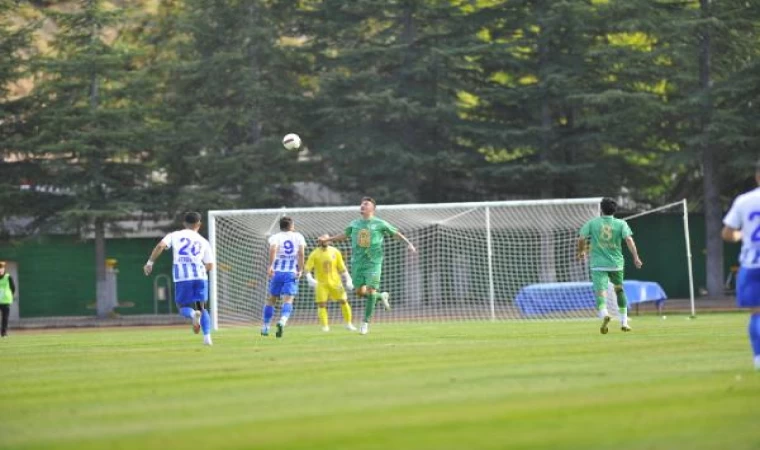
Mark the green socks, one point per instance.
(369, 308)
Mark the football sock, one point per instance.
(205, 323)
(345, 308)
(186, 311)
(369, 308)
(287, 308)
(322, 316)
(268, 314)
(622, 302)
(601, 305)
(754, 334)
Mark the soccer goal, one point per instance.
(663, 238)
(475, 261)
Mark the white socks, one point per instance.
(603, 313)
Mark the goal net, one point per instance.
(474, 261)
(663, 240)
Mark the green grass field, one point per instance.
(671, 384)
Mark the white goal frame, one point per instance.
(487, 206)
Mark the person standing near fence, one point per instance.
(7, 292)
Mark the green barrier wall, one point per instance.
(56, 274)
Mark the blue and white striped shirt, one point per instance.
(288, 243)
(191, 254)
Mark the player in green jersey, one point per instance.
(367, 236)
(606, 235)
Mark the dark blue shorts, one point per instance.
(748, 288)
(283, 283)
(188, 292)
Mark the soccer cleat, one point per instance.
(196, 322)
(605, 322)
(625, 328)
(364, 328)
(265, 330)
(350, 327)
(280, 329)
(325, 328)
(207, 340)
(384, 296)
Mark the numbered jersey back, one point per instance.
(191, 254)
(288, 243)
(744, 215)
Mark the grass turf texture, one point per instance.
(670, 384)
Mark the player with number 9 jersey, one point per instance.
(286, 262)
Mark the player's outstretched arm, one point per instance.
(634, 252)
(730, 234)
(409, 244)
(337, 238)
(157, 250)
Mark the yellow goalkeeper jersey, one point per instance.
(327, 265)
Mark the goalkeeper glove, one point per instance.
(310, 279)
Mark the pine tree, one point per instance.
(15, 55)
(233, 92)
(86, 128)
(387, 110)
(567, 98)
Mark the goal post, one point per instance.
(654, 231)
(472, 263)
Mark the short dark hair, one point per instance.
(285, 223)
(757, 166)
(609, 206)
(191, 218)
(369, 199)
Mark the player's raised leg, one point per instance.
(184, 298)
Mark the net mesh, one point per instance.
(662, 239)
(501, 260)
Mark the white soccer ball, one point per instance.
(291, 141)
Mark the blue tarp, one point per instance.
(545, 298)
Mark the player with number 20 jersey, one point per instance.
(193, 258)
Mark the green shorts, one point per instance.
(367, 275)
(602, 279)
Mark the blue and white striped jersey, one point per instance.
(288, 243)
(744, 215)
(191, 254)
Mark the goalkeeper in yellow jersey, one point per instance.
(326, 262)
